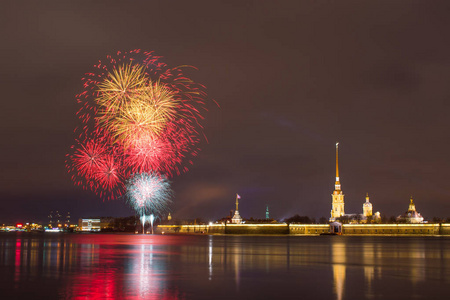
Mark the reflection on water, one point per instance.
(80, 266)
(338, 260)
(369, 269)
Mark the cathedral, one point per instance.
(337, 201)
(337, 198)
(411, 215)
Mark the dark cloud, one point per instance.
(291, 77)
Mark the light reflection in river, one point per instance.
(339, 260)
(239, 267)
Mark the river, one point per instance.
(129, 266)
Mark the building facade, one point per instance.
(89, 225)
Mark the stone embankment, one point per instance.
(307, 229)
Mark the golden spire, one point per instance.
(337, 165)
(337, 184)
(412, 207)
(237, 202)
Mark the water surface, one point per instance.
(120, 266)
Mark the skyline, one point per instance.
(236, 213)
(290, 79)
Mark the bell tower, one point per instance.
(337, 198)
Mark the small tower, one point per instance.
(237, 219)
(267, 212)
(367, 207)
(169, 217)
(337, 198)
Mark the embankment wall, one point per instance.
(308, 229)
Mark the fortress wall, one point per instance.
(444, 229)
(191, 229)
(308, 228)
(257, 229)
(429, 229)
(225, 229)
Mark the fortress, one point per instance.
(307, 229)
(412, 221)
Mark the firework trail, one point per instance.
(137, 115)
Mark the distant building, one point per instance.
(337, 198)
(377, 216)
(367, 207)
(368, 213)
(411, 216)
(267, 212)
(107, 223)
(89, 224)
(237, 219)
(337, 203)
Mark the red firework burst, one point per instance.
(137, 115)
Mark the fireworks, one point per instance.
(149, 193)
(95, 166)
(137, 116)
(131, 104)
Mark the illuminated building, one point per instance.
(368, 215)
(377, 216)
(367, 207)
(89, 224)
(337, 198)
(267, 212)
(237, 219)
(411, 216)
(337, 203)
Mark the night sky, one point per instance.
(291, 78)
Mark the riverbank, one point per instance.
(307, 229)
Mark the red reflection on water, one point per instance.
(17, 260)
(104, 271)
(97, 285)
